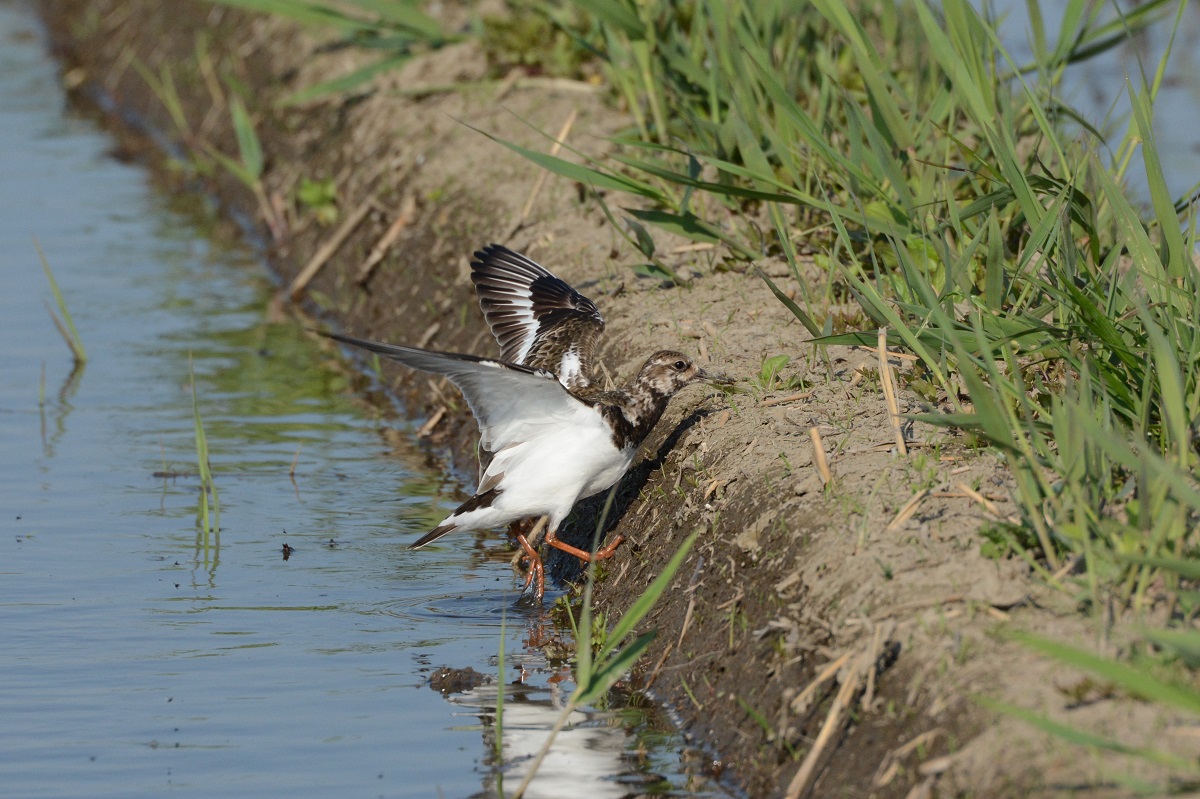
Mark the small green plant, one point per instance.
(768, 377)
(501, 683)
(599, 636)
(209, 519)
(319, 197)
(757, 717)
(62, 320)
(163, 86)
(597, 669)
(248, 167)
(924, 470)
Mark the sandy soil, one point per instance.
(856, 621)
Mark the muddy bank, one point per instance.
(853, 620)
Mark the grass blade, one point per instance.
(648, 599)
(582, 174)
(347, 82)
(249, 147)
(1132, 679)
(63, 321)
(612, 670)
(207, 485)
(1083, 738)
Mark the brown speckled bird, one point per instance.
(551, 435)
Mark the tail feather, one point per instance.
(484, 499)
(433, 535)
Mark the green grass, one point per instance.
(209, 510)
(1150, 681)
(62, 320)
(501, 685)
(395, 28)
(950, 193)
(248, 167)
(769, 377)
(164, 88)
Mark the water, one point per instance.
(1098, 88)
(139, 656)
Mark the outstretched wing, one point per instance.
(539, 320)
(511, 403)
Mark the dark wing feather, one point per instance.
(539, 320)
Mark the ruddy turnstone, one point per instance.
(549, 434)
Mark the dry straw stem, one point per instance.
(803, 395)
(983, 501)
(889, 391)
(322, 255)
(667, 650)
(819, 458)
(865, 665)
(527, 209)
(834, 722)
(920, 604)
(805, 697)
(427, 337)
(716, 485)
(697, 247)
(868, 697)
(890, 766)
(408, 208)
(1067, 567)
(906, 512)
(432, 422)
(504, 86)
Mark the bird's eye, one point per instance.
(680, 365)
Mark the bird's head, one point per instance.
(666, 372)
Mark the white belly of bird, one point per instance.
(546, 474)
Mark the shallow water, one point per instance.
(140, 656)
(1099, 90)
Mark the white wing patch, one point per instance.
(570, 368)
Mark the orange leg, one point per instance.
(604, 553)
(536, 576)
(531, 532)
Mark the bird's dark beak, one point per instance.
(714, 377)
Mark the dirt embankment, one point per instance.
(853, 621)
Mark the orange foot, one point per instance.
(531, 531)
(535, 578)
(604, 553)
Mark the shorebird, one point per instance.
(549, 435)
